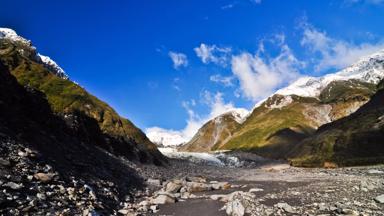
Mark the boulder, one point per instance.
(198, 187)
(235, 208)
(163, 199)
(173, 187)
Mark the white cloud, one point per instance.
(178, 59)
(217, 106)
(334, 53)
(259, 76)
(213, 54)
(227, 81)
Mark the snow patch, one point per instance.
(278, 104)
(53, 66)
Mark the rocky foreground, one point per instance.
(276, 189)
(30, 186)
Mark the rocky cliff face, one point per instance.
(354, 140)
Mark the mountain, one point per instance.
(294, 113)
(354, 140)
(216, 131)
(48, 166)
(79, 109)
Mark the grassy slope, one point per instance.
(66, 97)
(273, 132)
(213, 133)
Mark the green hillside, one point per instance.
(68, 99)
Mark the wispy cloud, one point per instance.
(213, 54)
(216, 105)
(227, 6)
(259, 76)
(333, 53)
(227, 81)
(178, 59)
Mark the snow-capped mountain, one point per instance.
(173, 138)
(163, 137)
(294, 112)
(9, 34)
(369, 69)
(216, 131)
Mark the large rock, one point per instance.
(221, 186)
(235, 208)
(163, 199)
(198, 187)
(173, 187)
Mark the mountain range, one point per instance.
(293, 117)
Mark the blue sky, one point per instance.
(175, 64)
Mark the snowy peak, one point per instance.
(239, 114)
(12, 35)
(163, 137)
(9, 34)
(368, 69)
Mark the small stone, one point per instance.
(375, 171)
(13, 185)
(4, 163)
(41, 196)
(219, 197)
(123, 211)
(253, 190)
(286, 207)
(154, 208)
(155, 182)
(44, 177)
(380, 199)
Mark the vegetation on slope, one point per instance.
(273, 131)
(354, 140)
(67, 99)
(212, 134)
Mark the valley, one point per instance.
(314, 147)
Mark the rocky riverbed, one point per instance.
(251, 186)
(273, 188)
